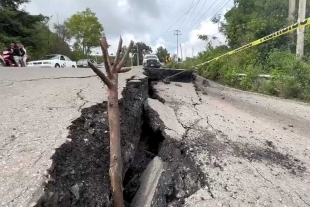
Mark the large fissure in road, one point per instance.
(79, 175)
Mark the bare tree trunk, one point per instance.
(111, 80)
(115, 146)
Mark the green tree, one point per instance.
(203, 37)
(63, 31)
(162, 53)
(20, 26)
(86, 29)
(143, 49)
(12, 4)
(248, 21)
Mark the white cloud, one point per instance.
(122, 3)
(140, 21)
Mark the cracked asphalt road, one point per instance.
(37, 105)
(254, 149)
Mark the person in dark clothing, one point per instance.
(10, 49)
(17, 55)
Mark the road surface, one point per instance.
(254, 149)
(37, 104)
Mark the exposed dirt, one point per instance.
(82, 163)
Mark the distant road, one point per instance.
(37, 104)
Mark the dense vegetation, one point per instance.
(247, 21)
(75, 37)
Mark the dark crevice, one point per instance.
(153, 93)
(148, 148)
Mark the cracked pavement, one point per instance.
(37, 106)
(254, 149)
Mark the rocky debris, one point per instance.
(149, 182)
(79, 175)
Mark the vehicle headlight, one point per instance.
(47, 63)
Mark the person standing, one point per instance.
(10, 49)
(17, 55)
(23, 55)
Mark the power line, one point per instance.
(192, 13)
(188, 12)
(177, 20)
(200, 11)
(214, 14)
(202, 16)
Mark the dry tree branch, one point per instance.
(124, 70)
(111, 80)
(125, 58)
(106, 57)
(118, 54)
(101, 75)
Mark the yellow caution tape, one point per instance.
(264, 39)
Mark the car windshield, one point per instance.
(50, 57)
(151, 57)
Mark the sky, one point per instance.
(152, 22)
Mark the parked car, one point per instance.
(83, 63)
(53, 61)
(151, 61)
(100, 65)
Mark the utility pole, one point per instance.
(177, 33)
(137, 55)
(291, 11)
(301, 31)
(291, 20)
(181, 52)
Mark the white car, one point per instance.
(53, 61)
(151, 61)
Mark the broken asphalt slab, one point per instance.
(149, 183)
(248, 158)
(167, 121)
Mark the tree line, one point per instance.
(82, 28)
(247, 21)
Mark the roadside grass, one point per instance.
(290, 77)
